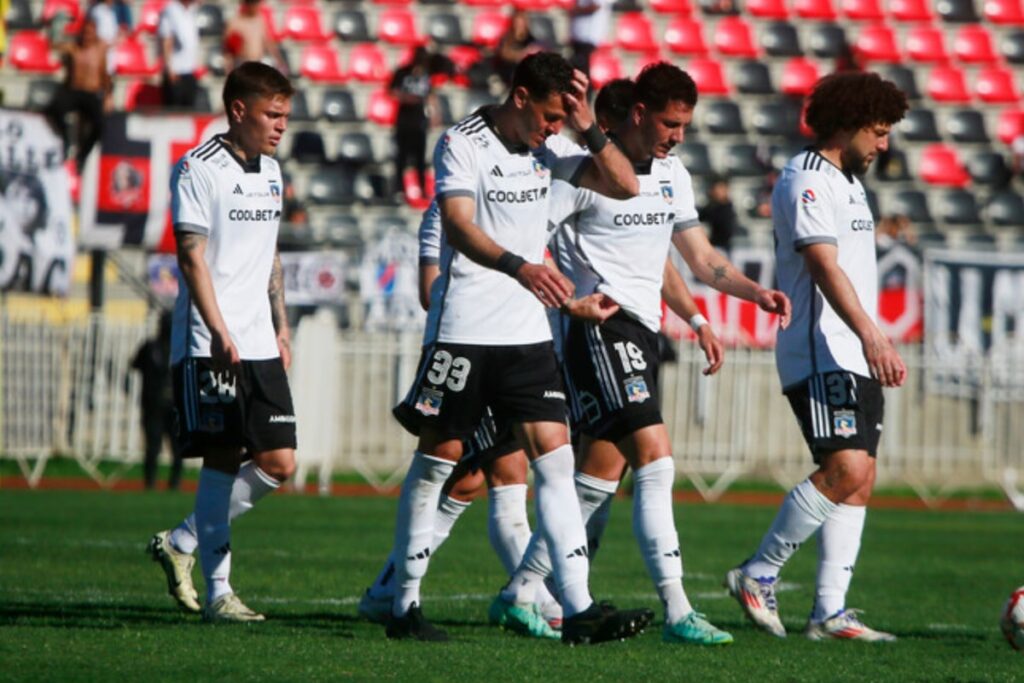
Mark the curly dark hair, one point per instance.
(661, 83)
(851, 100)
(614, 101)
(543, 73)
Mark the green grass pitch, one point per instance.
(79, 600)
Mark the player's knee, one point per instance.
(278, 464)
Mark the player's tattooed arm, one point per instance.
(278, 312)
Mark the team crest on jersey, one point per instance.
(844, 423)
(429, 402)
(275, 191)
(636, 390)
(808, 196)
(667, 194)
(539, 168)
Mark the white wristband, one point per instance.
(698, 321)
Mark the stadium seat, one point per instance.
(307, 148)
(926, 45)
(464, 57)
(862, 10)
(827, 41)
(911, 203)
(734, 38)
(1007, 12)
(723, 117)
(624, 6)
(342, 231)
(270, 21)
(634, 33)
(904, 78)
(996, 85)
(967, 125)
(988, 168)
(958, 207)
(542, 28)
(877, 44)
(718, 7)
(752, 77)
(355, 149)
(742, 160)
(476, 99)
(72, 9)
(445, 29)
(210, 20)
(947, 84)
(779, 119)
(397, 26)
(19, 17)
(40, 93)
(685, 36)
(604, 67)
(940, 165)
(695, 158)
(957, 11)
(819, 10)
(339, 106)
(767, 9)
(300, 108)
(910, 10)
(709, 76)
(332, 185)
(149, 16)
(973, 45)
(30, 51)
(132, 59)
(1011, 47)
(1006, 208)
(893, 167)
(681, 7)
(488, 28)
(534, 5)
(320, 63)
(799, 76)
(484, 3)
(350, 25)
(367, 64)
(780, 39)
(1009, 125)
(382, 108)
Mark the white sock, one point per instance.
(838, 545)
(561, 523)
(414, 527)
(384, 585)
(655, 530)
(508, 526)
(595, 496)
(251, 483)
(802, 512)
(214, 530)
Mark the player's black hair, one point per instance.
(614, 101)
(851, 100)
(660, 83)
(255, 79)
(543, 73)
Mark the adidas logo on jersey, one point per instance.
(238, 189)
(496, 172)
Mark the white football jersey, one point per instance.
(237, 206)
(620, 245)
(469, 303)
(813, 202)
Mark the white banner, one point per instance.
(389, 284)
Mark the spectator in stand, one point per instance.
(589, 21)
(153, 361)
(719, 214)
(104, 15)
(123, 11)
(515, 44)
(86, 84)
(178, 33)
(246, 38)
(411, 86)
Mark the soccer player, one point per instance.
(488, 342)
(612, 370)
(832, 360)
(229, 347)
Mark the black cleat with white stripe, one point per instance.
(414, 626)
(601, 623)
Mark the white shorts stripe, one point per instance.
(190, 395)
(605, 374)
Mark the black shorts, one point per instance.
(492, 439)
(612, 377)
(253, 412)
(839, 411)
(456, 383)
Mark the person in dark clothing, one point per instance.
(153, 362)
(411, 86)
(720, 215)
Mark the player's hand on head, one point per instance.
(713, 349)
(580, 117)
(774, 301)
(551, 287)
(595, 308)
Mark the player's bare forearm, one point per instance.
(464, 235)
(676, 294)
(837, 289)
(191, 249)
(428, 273)
(611, 174)
(275, 290)
(711, 267)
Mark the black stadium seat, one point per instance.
(780, 39)
(332, 185)
(967, 125)
(752, 78)
(779, 118)
(958, 207)
(350, 26)
(904, 78)
(957, 11)
(911, 203)
(988, 168)
(695, 158)
(919, 126)
(19, 16)
(1011, 47)
(339, 106)
(1006, 208)
(445, 29)
(300, 108)
(723, 117)
(308, 148)
(742, 159)
(210, 20)
(355, 149)
(542, 28)
(40, 93)
(827, 41)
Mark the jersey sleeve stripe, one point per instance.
(685, 225)
(814, 239)
(456, 193)
(191, 228)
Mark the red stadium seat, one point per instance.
(267, 12)
(734, 37)
(635, 33)
(488, 28)
(877, 44)
(367, 64)
(709, 76)
(973, 45)
(302, 23)
(996, 84)
(940, 165)
(534, 5)
(1007, 12)
(911, 10)
(682, 7)
(768, 9)
(484, 3)
(799, 76)
(71, 8)
(392, 2)
(947, 84)
(821, 10)
(320, 63)
(149, 16)
(382, 108)
(604, 67)
(1010, 125)
(138, 94)
(686, 37)
(397, 25)
(862, 10)
(926, 44)
(463, 57)
(131, 59)
(30, 51)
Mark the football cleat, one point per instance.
(552, 613)
(413, 625)
(601, 623)
(696, 629)
(375, 610)
(844, 625)
(524, 619)
(229, 609)
(757, 598)
(178, 570)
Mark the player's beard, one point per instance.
(854, 162)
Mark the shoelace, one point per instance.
(767, 590)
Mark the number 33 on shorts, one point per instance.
(445, 371)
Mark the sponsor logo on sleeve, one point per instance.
(808, 196)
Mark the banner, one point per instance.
(389, 284)
(126, 185)
(36, 245)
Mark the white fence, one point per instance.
(70, 389)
